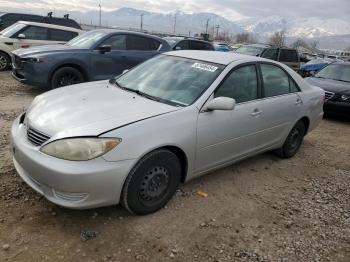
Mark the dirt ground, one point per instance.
(262, 209)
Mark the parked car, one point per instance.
(26, 34)
(313, 66)
(222, 47)
(95, 55)
(177, 116)
(7, 19)
(187, 43)
(285, 55)
(335, 80)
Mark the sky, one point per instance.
(231, 9)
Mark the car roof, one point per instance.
(110, 31)
(53, 26)
(222, 58)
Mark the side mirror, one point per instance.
(125, 71)
(178, 48)
(104, 49)
(21, 36)
(221, 103)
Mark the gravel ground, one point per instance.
(262, 209)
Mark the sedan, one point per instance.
(135, 138)
(335, 80)
(95, 55)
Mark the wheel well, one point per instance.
(6, 54)
(78, 67)
(306, 122)
(183, 160)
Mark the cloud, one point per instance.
(231, 9)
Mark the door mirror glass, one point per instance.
(104, 49)
(21, 36)
(221, 103)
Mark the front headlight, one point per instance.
(33, 59)
(80, 149)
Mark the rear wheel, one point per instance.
(152, 182)
(5, 61)
(293, 141)
(65, 76)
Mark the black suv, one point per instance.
(186, 43)
(7, 19)
(285, 55)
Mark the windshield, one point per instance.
(335, 72)
(86, 40)
(11, 30)
(250, 50)
(175, 80)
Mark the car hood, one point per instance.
(338, 87)
(90, 109)
(45, 49)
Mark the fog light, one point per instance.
(69, 196)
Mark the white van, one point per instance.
(26, 34)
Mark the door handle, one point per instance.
(298, 101)
(256, 112)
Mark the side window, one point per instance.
(293, 88)
(271, 53)
(288, 55)
(35, 33)
(153, 44)
(61, 35)
(276, 81)
(135, 42)
(196, 45)
(117, 42)
(241, 85)
(183, 45)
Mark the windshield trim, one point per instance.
(172, 102)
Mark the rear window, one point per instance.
(61, 35)
(288, 55)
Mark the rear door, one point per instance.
(222, 135)
(290, 58)
(33, 36)
(61, 36)
(140, 49)
(282, 105)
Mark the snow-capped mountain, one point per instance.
(263, 26)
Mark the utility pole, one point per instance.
(100, 14)
(175, 23)
(217, 30)
(206, 27)
(141, 21)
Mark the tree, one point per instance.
(244, 38)
(278, 38)
(314, 44)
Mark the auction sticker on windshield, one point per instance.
(205, 67)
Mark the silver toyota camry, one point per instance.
(135, 138)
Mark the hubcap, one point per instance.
(154, 184)
(68, 79)
(3, 62)
(295, 139)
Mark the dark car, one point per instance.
(94, 55)
(7, 19)
(285, 55)
(187, 43)
(335, 80)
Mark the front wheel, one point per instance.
(5, 61)
(152, 182)
(66, 76)
(293, 141)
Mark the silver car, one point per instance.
(135, 138)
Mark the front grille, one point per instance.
(35, 137)
(329, 95)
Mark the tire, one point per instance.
(293, 141)
(151, 183)
(5, 61)
(65, 76)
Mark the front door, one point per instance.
(223, 136)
